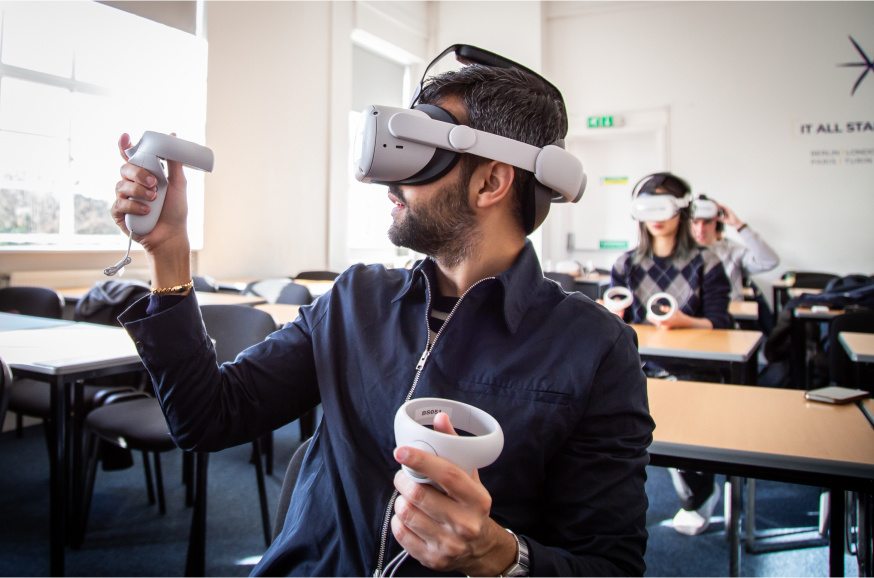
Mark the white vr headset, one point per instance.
(649, 207)
(420, 144)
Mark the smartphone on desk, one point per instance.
(834, 394)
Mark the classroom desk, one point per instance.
(781, 290)
(316, 287)
(63, 353)
(733, 349)
(782, 437)
(744, 310)
(801, 317)
(282, 313)
(859, 346)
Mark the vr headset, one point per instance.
(647, 205)
(418, 145)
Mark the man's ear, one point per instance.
(492, 182)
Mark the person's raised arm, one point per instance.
(167, 245)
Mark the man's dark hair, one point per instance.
(507, 102)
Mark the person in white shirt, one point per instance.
(740, 261)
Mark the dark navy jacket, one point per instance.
(560, 374)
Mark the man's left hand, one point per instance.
(451, 531)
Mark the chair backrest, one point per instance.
(204, 284)
(295, 294)
(267, 288)
(317, 275)
(842, 369)
(106, 300)
(566, 281)
(235, 327)
(5, 382)
(36, 301)
(811, 279)
(288, 484)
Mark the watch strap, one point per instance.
(522, 565)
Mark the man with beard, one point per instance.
(475, 322)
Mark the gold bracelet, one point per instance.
(174, 289)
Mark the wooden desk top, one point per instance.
(205, 298)
(859, 346)
(773, 423)
(808, 313)
(748, 310)
(282, 312)
(713, 344)
(67, 348)
(798, 291)
(316, 287)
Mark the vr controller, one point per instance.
(467, 452)
(648, 207)
(617, 298)
(146, 154)
(656, 314)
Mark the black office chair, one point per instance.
(842, 370)
(204, 284)
(36, 301)
(563, 279)
(288, 484)
(295, 294)
(269, 289)
(25, 397)
(5, 382)
(317, 275)
(136, 421)
(102, 304)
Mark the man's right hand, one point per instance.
(166, 244)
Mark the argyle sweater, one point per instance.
(698, 283)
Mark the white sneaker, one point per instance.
(693, 522)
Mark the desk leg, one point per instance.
(798, 347)
(58, 479)
(734, 525)
(76, 513)
(195, 564)
(836, 533)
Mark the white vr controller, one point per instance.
(624, 298)
(658, 315)
(470, 453)
(663, 207)
(146, 154)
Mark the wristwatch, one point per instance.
(522, 565)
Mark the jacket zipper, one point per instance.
(383, 546)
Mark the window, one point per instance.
(73, 77)
(375, 80)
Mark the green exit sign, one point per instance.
(605, 121)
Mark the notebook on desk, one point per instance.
(835, 394)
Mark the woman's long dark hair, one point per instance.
(685, 245)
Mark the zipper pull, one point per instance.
(423, 359)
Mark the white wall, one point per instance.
(267, 121)
(738, 78)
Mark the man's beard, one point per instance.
(443, 227)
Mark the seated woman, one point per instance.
(668, 260)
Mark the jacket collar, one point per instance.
(520, 283)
